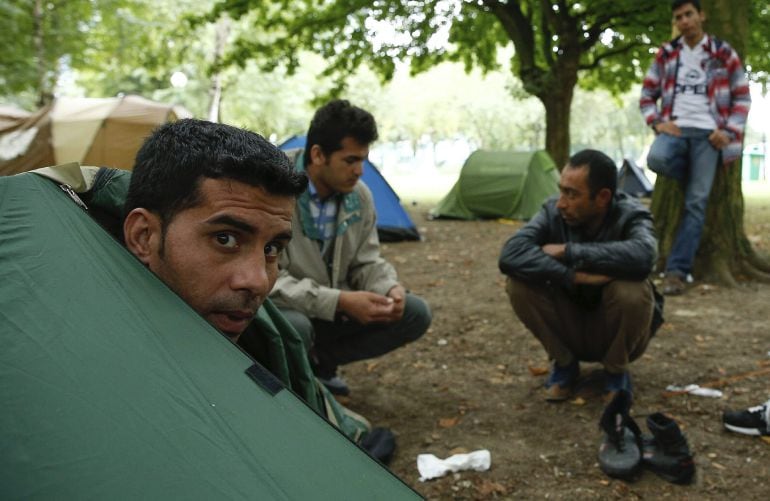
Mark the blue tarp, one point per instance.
(393, 222)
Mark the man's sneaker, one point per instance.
(561, 381)
(620, 454)
(615, 383)
(666, 453)
(336, 385)
(380, 443)
(673, 285)
(752, 421)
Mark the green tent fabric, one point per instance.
(113, 388)
(496, 184)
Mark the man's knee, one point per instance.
(631, 297)
(302, 324)
(628, 292)
(525, 298)
(417, 317)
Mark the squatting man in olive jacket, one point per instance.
(334, 286)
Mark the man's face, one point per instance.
(220, 256)
(575, 204)
(689, 22)
(339, 171)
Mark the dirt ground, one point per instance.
(469, 383)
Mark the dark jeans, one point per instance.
(691, 160)
(344, 341)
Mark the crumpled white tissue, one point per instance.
(430, 466)
(694, 389)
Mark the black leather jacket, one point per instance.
(625, 246)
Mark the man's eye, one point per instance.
(227, 240)
(273, 249)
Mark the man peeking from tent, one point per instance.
(579, 276)
(208, 209)
(334, 287)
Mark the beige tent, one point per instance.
(104, 132)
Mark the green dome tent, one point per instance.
(505, 184)
(114, 388)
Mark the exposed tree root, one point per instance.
(757, 261)
(723, 274)
(753, 272)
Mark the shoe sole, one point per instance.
(745, 431)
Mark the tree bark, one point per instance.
(215, 90)
(557, 136)
(45, 95)
(725, 254)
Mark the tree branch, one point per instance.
(609, 53)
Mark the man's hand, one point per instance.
(582, 277)
(398, 294)
(669, 128)
(556, 251)
(719, 139)
(367, 307)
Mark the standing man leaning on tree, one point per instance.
(704, 101)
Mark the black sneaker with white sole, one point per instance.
(752, 421)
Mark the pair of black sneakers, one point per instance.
(625, 450)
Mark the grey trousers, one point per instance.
(344, 341)
(614, 333)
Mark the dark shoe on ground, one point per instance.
(380, 443)
(620, 454)
(615, 383)
(673, 285)
(752, 421)
(666, 452)
(336, 385)
(561, 381)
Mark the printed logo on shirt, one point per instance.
(695, 83)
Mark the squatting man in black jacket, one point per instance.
(578, 276)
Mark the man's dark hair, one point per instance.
(177, 156)
(602, 172)
(337, 120)
(680, 3)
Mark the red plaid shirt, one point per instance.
(728, 90)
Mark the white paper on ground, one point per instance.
(430, 466)
(694, 389)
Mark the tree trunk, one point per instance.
(557, 117)
(215, 90)
(45, 95)
(725, 253)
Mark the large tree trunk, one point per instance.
(557, 117)
(215, 90)
(724, 253)
(45, 95)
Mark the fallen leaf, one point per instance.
(370, 366)
(578, 401)
(766, 440)
(718, 466)
(538, 371)
(400, 259)
(488, 488)
(699, 338)
(604, 482)
(448, 422)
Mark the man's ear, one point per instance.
(603, 197)
(317, 156)
(142, 232)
